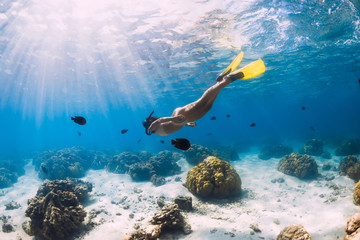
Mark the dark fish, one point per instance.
(312, 128)
(79, 120)
(124, 131)
(162, 141)
(44, 169)
(303, 108)
(359, 80)
(181, 143)
(252, 125)
(138, 141)
(209, 134)
(213, 118)
(228, 115)
(79, 133)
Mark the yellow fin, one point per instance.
(249, 71)
(232, 66)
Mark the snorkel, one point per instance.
(147, 123)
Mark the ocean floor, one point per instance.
(270, 201)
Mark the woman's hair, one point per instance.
(148, 121)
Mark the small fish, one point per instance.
(79, 133)
(162, 141)
(213, 118)
(359, 80)
(124, 131)
(209, 134)
(44, 169)
(303, 108)
(181, 143)
(312, 128)
(138, 141)
(79, 120)
(252, 125)
(228, 115)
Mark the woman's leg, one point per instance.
(199, 108)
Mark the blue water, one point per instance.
(114, 62)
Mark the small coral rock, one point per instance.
(301, 166)
(7, 178)
(213, 178)
(121, 162)
(350, 166)
(294, 232)
(352, 229)
(184, 202)
(357, 193)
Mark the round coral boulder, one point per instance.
(294, 232)
(357, 193)
(350, 166)
(301, 166)
(213, 178)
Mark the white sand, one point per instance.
(321, 206)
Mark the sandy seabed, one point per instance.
(322, 206)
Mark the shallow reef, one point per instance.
(350, 166)
(294, 232)
(10, 170)
(356, 194)
(7, 178)
(55, 211)
(349, 147)
(274, 151)
(301, 166)
(313, 147)
(213, 178)
(120, 163)
(60, 164)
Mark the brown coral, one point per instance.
(350, 166)
(301, 166)
(213, 178)
(294, 232)
(357, 193)
(353, 228)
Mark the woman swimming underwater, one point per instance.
(187, 115)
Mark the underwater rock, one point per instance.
(350, 166)
(164, 163)
(213, 178)
(350, 147)
(326, 155)
(7, 228)
(357, 193)
(301, 166)
(184, 202)
(313, 147)
(7, 178)
(120, 163)
(141, 171)
(13, 164)
(353, 228)
(68, 162)
(12, 205)
(294, 232)
(157, 180)
(274, 151)
(169, 219)
(326, 166)
(55, 211)
(196, 154)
